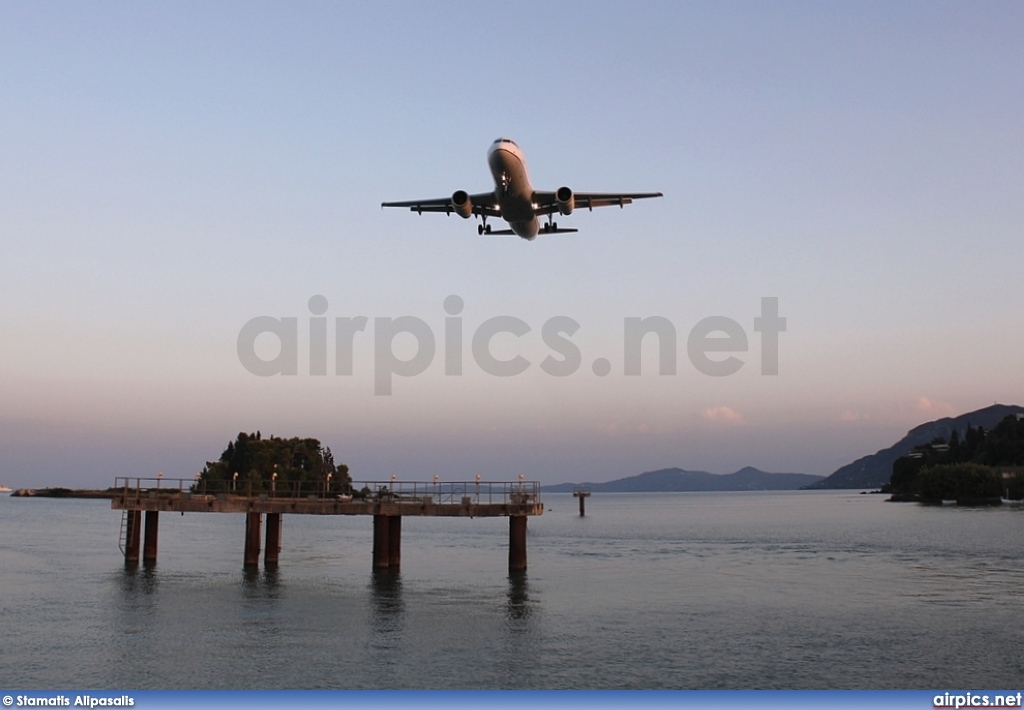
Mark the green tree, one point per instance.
(1004, 445)
(295, 461)
(959, 481)
(954, 446)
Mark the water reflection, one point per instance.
(133, 579)
(386, 589)
(260, 585)
(270, 576)
(134, 620)
(387, 609)
(518, 606)
(521, 646)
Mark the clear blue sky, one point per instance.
(171, 171)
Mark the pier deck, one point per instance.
(386, 501)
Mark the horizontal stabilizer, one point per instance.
(509, 232)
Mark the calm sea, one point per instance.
(705, 590)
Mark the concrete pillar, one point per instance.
(273, 543)
(381, 542)
(133, 536)
(252, 539)
(516, 543)
(149, 547)
(395, 540)
(582, 494)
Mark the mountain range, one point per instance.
(866, 472)
(874, 470)
(677, 479)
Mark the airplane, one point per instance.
(514, 199)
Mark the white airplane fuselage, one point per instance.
(512, 188)
(514, 200)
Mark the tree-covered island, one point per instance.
(253, 464)
(981, 468)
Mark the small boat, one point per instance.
(5, 489)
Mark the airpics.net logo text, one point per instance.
(712, 344)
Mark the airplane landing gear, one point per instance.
(483, 227)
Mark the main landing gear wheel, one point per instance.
(483, 229)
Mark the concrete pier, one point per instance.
(387, 541)
(133, 538)
(386, 502)
(152, 529)
(272, 547)
(582, 494)
(252, 539)
(516, 543)
(381, 550)
(395, 540)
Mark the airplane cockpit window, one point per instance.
(506, 140)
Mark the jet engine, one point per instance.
(564, 200)
(462, 204)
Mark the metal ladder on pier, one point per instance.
(122, 535)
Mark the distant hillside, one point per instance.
(677, 479)
(874, 470)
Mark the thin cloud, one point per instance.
(726, 415)
(615, 428)
(934, 407)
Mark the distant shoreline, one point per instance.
(62, 493)
(668, 480)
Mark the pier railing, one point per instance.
(389, 491)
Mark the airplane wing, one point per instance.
(483, 204)
(546, 202)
